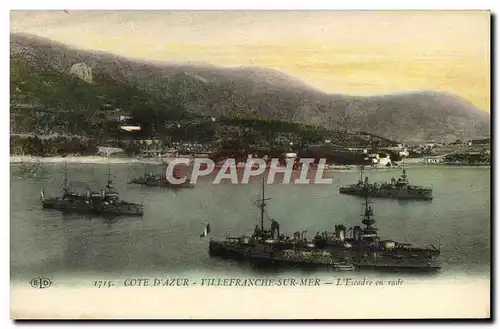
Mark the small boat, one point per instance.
(344, 266)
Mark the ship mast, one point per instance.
(109, 172)
(65, 175)
(368, 216)
(262, 205)
(369, 233)
(403, 175)
(109, 184)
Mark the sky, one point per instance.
(347, 52)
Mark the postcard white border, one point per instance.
(129, 4)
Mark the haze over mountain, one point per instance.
(261, 92)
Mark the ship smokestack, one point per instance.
(275, 229)
(340, 232)
(356, 233)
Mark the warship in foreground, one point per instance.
(395, 189)
(105, 202)
(362, 250)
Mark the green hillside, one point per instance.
(74, 106)
(47, 102)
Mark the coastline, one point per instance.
(19, 159)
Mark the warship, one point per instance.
(142, 179)
(152, 180)
(395, 189)
(362, 250)
(105, 202)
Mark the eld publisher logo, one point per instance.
(40, 283)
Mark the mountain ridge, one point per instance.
(263, 92)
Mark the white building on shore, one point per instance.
(433, 159)
(107, 151)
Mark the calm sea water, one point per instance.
(166, 239)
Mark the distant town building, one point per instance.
(202, 155)
(434, 159)
(157, 152)
(290, 157)
(385, 161)
(146, 142)
(404, 153)
(377, 160)
(124, 117)
(117, 114)
(107, 151)
(131, 128)
(355, 149)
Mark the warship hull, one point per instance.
(120, 209)
(167, 184)
(414, 269)
(332, 258)
(227, 251)
(276, 258)
(159, 183)
(269, 262)
(402, 194)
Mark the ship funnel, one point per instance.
(356, 232)
(275, 229)
(340, 232)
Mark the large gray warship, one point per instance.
(399, 188)
(105, 202)
(362, 250)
